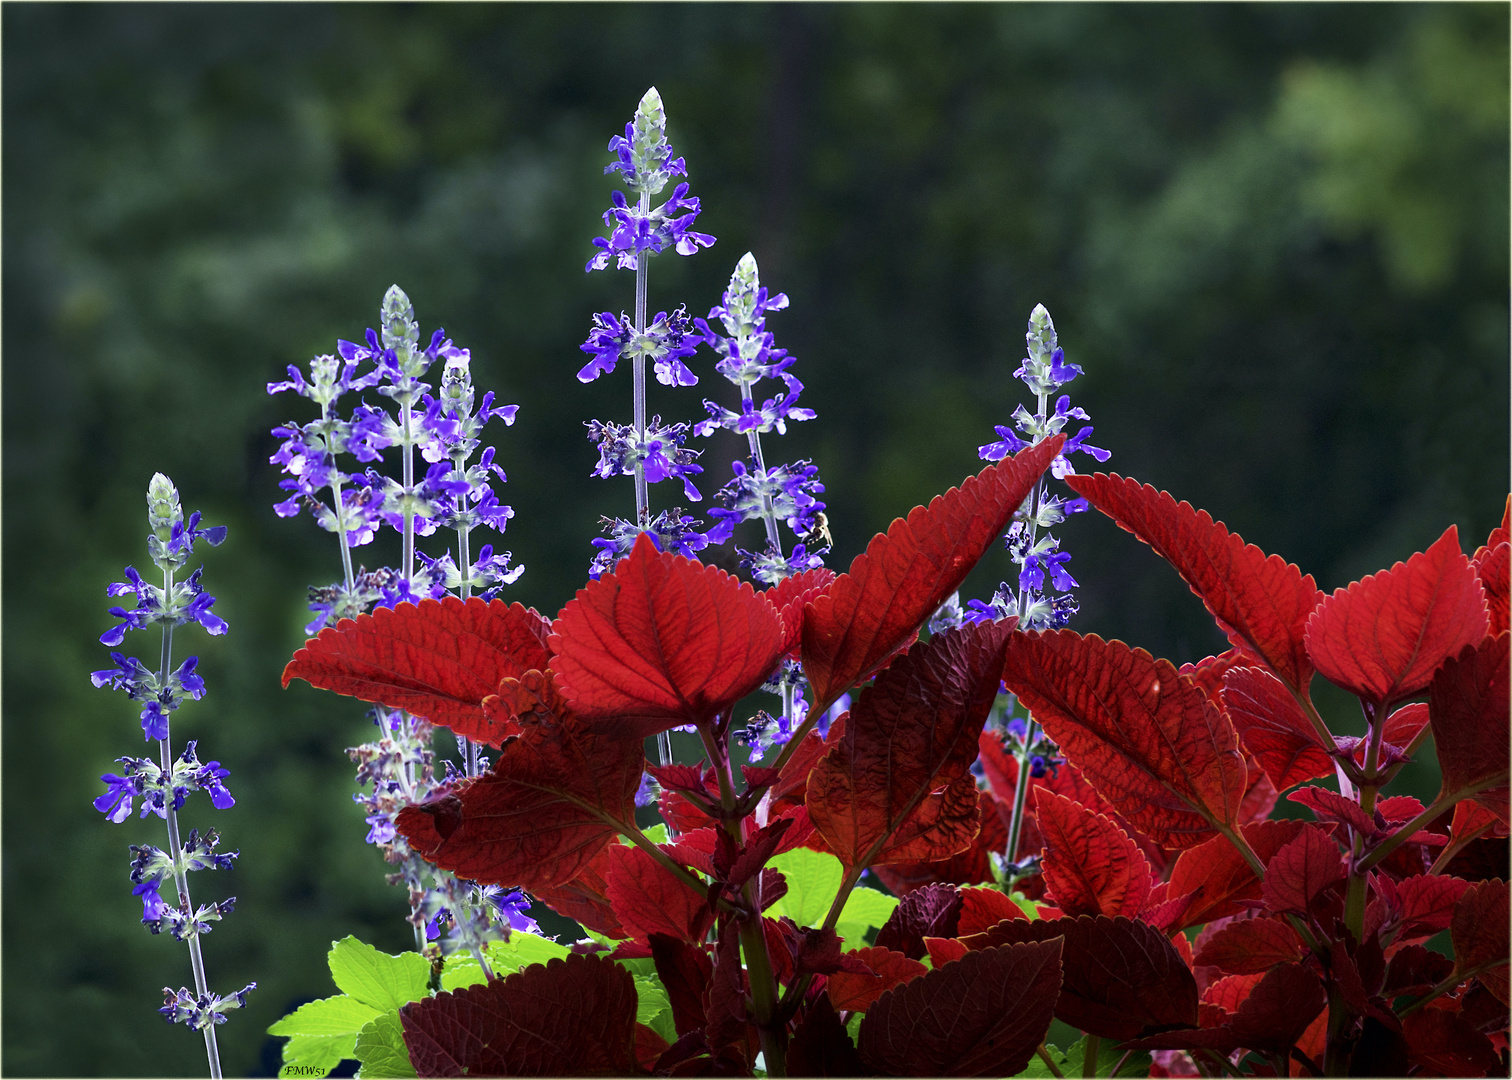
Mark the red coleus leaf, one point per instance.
(1414, 970)
(558, 793)
(1440, 1043)
(1261, 603)
(1331, 806)
(1251, 946)
(663, 641)
(1218, 878)
(437, 659)
(1149, 741)
(1091, 866)
(789, 596)
(1493, 567)
(969, 867)
(820, 1045)
(685, 970)
(1425, 902)
(1301, 870)
(725, 1000)
(1230, 992)
(903, 576)
(586, 898)
(982, 1015)
(981, 909)
(1121, 977)
(855, 992)
(1479, 932)
(931, 911)
(1384, 636)
(572, 1017)
(1272, 727)
(895, 786)
(1271, 1019)
(944, 951)
(650, 900)
(1468, 707)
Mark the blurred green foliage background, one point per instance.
(1275, 237)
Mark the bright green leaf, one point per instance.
(865, 909)
(315, 1055)
(1072, 1061)
(379, 979)
(813, 879)
(522, 950)
(381, 1049)
(340, 1015)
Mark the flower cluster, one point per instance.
(455, 492)
(649, 451)
(166, 783)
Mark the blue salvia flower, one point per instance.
(650, 451)
(164, 784)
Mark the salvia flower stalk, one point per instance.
(164, 783)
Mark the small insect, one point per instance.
(819, 532)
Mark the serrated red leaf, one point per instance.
(1217, 876)
(1493, 567)
(903, 576)
(943, 951)
(982, 909)
(983, 1015)
(895, 787)
(1150, 742)
(1426, 903)
(1441, 1043)
(1209, 672)
(1091, 866)
(649, 900)
(1121, 977)
(1301, 870)
(557, 794)
(725, 1001)
(1331, 806)
(685, 970)
(1468, 708)
(1383, 637)
(572, 1017)
(931, 911)
(1261, 603)
(1272, 727)
(1271, 1019)
(437, 659)
(1251, 946)
(1479, 932)
(1414, 970)
(969, 867)
(1229, 993)
(820, 1045)
(663, 641)
(586, 898)
(855, 992)
(790, 595)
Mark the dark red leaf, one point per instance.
(895, 787)
(572, 1017)
(649, 900)
(969, 867)
(983, 1015)
(943, 951)
(820, 1045)
(904, 576)
(1216, 874)
(663, 641)
(1251, 946)
(437, 659)
(854, 992)
(1440, 1043)
(1272, 727)
(932, 911)
(1384, 636)
(1091, 866)
(792, 787)
(725, 1002)
(1493, 568)
(649, 1047)
(1331, 806)
(1150, 742)
(981, 909)
(685, 970)
(1468, 706)
(1479, 932)
(558, 793)
(1301, 870)
(1230, 993)
(1426, 903)
(1415, 970)
(1272, 1019)
(1404, 725)
(1261, 603)
(1122, 977)
(789, 596)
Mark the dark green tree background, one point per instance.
(1275, 237)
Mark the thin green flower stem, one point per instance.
(488, 972)
(638, 372)
(180, 875)
(341, 532)
(798, 989)
(631, 833)
(1450, 981)
(408, 457)
(467, 747)
(1354, 888)
(1044, 1055)
(1441, 804)
(768, 511)
(1020, 792)
(1089, 1056)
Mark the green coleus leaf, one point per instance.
(381, 1049)
(378, 979)
(813, 879)
(315, 1055)
(340, 1015)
